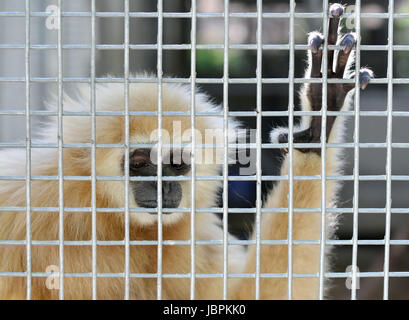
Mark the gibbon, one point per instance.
(110, 129)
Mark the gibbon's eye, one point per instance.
(180, 168)
(138, 160)
(139, 164)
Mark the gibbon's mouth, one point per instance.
(145, 194)
(154, 204)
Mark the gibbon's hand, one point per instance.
(336, 92)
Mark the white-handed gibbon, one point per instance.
(176, 259)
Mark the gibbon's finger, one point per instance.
(347, 42)
(315, 40)
(365, 76)
(310, 135)
(283, 138)
(335, 12)
(303, 136)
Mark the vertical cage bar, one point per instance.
(388, 168)
(192, 155)
(159, 75)
(60, 152)
(226, 148)
(356, 150)
(258, 142)
(93, 156)
(323, 148)
(290, 150)
(28, 149)
(126, 162)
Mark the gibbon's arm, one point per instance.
(306, 162)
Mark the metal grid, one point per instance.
(356, 159)
(225, 80)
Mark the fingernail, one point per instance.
(315, 44)
(336, 10)
(364, 79)
(348, 43)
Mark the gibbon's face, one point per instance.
(143, 130)
(142, 163)
(145, 192)
(143, 171)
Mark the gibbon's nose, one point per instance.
(146, 195)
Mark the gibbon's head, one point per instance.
(176, 140)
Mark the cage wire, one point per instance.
(28, 14)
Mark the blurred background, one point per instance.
(242, 97)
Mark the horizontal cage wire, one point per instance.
(365, 255)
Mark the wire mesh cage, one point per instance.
(249, 55)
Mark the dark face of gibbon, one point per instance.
(142, 163)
